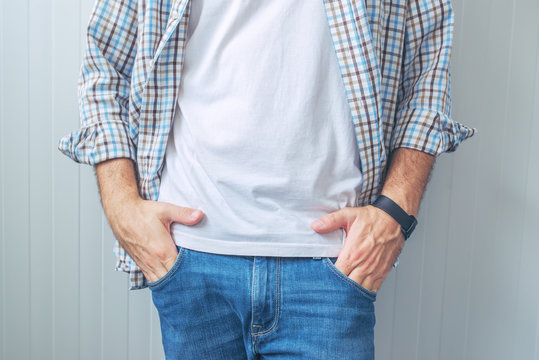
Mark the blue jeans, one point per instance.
(214, 306)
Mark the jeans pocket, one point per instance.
(330, 263)
(152, 285)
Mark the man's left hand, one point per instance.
(373, 242)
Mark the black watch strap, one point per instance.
(407, 222)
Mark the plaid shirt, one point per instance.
(394, 60)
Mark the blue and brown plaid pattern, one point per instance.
(393, 55)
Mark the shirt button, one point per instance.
(150, 63)
(175, 15)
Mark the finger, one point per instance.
(161, 244)
(141, 262)
(374, 271)
(353, 252)
(160, 255)
(362, 263)
(334, 220)
(368, 281)
(181, 214)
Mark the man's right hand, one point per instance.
(142, 227)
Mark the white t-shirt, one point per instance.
(262, 139)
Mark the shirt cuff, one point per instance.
(429, 131)
(98, 142)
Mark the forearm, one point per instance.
(117, 183)
(407, 178)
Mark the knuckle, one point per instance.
(349, 211)
(158, 208)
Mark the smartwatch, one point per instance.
(407, 222)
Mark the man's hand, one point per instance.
(142, 227)
(373, 242)
(373, 238)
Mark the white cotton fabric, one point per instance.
(262, 139)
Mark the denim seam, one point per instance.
(253, 283)
(278, 287)
(172, 271)
(348, 280)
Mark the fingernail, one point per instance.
(195, 214)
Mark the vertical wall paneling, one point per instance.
(384, 319)
(115, 304)
(490, 72)
(530, 248)
(469, 103)
(40, 177)
(91, 276)
(90, 249)
(66, 188)
(17, 337)
(527, 297)
(2, 189)
(493, 249)
(139, 325)
(407, 297)
(434, 260)
(516, 154)
(156, 348)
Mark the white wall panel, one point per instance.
(15, 139)
(65, 280)
(40, 82)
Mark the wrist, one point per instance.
(406, 221)
(408, 203)
(407, 177)
(122, 214)
(117, 185)
(120, 204)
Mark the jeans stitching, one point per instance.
(253, 283)
(346, 279)
(276, 319)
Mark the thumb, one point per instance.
(181, 214)
(334, 220)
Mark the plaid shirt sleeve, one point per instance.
(103, 87)
(423, 118)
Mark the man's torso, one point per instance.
(262, 138)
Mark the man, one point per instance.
(261, 163)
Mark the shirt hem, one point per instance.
(255, 248)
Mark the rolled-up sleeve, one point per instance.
(423, 119)
(104, 84)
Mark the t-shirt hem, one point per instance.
(251, 248)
